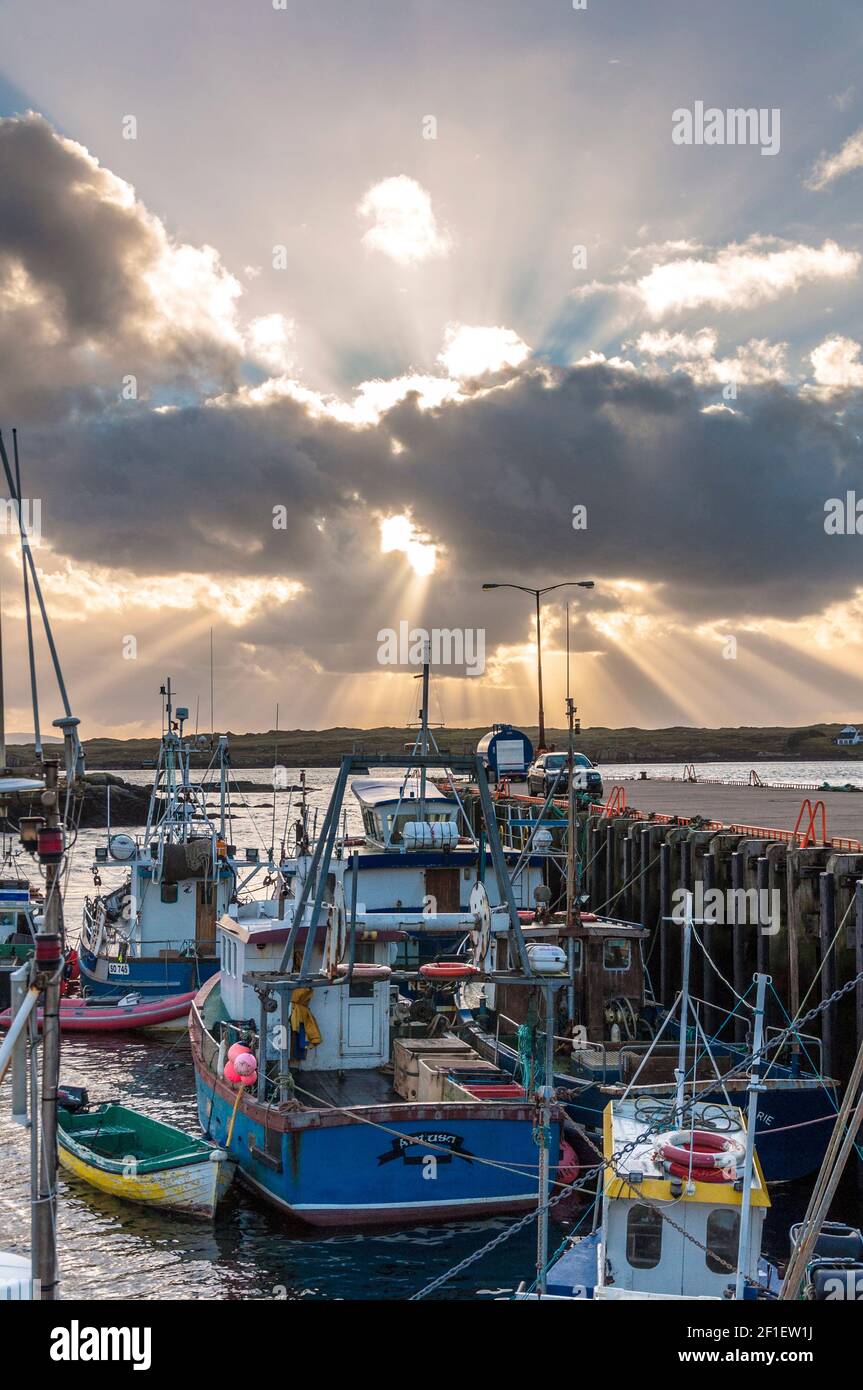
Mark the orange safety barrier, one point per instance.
(616, 803)
(808, 835)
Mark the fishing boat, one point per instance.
(360, 1115)
(155, 933)
(98, 1015)
(682, 1198)
(16, 1278)
(130, 1156)
(612, 1037)
(419, 854)
(21, 912)
(19, 905)
(679, 1213)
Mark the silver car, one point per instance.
(542, 773)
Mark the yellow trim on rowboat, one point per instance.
(146, 1188)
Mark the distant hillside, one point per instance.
(324, 747)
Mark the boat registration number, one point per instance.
(118, 969)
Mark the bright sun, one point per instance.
(399, 533)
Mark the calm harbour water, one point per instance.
(110, 1250)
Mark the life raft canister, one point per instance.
(701, 1154)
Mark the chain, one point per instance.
(531, 1216)
(655, 1206)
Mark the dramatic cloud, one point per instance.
(756, 362)
(741, 276)
(93, 289)
(472, 352)
(403, 224)
(480, 475)
(834, 166)
(836, 364)
(238, 491)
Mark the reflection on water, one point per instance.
(112, 1249)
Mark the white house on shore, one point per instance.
(849, 736)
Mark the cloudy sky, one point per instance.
(313, 318)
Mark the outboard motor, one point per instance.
(72, 1098)
(835, 1271)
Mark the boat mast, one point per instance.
(680, 1073)
(47, 966)
(31, 651)
(223, 783)
(545, 1100)
(570, 812)
(755, 1088)
(424, 729)
(2, 701)
(49, 963)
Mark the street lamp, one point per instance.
(537, 593)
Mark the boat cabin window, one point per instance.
(369, 824)
(723, 1237)
(616, 955)
(229, 956)
(408, 954)
(576, 954)
(397, 823)
(643, 1237)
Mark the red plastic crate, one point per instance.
(503, 1091)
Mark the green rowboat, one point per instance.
(128, 1155)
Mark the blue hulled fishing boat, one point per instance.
(359, 1114)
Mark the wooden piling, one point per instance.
(665, 946)
(827, 900)
(738, 943)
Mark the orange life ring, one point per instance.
(701, 1154)
(447, 970)
(682, 1170)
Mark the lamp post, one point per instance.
(537, 593)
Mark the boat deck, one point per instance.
(330, 1089)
